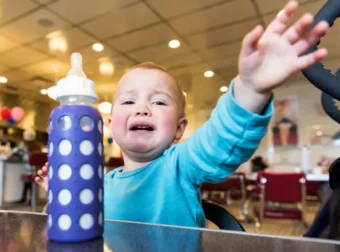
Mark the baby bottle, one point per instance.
(75, 154)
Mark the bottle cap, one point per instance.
(76, 82)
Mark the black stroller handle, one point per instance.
(317, 74)
(327, 82)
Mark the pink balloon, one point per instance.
(17, 114)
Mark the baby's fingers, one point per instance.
(311, 38)
(299, 29)
(45, 166)
(310, 59)
(38, 180)
(249, 44)
(42, 182)
(279, 24)
(42, 173)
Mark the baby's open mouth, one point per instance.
(142, 127)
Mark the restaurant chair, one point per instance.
(220, 216)
(234, 183)
(284, 188)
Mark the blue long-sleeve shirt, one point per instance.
(167, 190)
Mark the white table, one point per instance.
(318, 177)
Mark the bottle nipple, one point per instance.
(76, 66)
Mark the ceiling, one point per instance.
(133, 31)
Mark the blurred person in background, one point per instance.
(21, 154)
(258, 164)
(5, 144)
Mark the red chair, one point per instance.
(235, 182)
(281, 188)
(36, 160)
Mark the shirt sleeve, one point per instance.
(228, 139)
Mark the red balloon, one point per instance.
(6, 113)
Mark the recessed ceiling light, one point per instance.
(174, 44)
(3, 79)
(223, 89)
(209, 74)
(185, 94)
(106, 68)
(98, 47)
(57, 43)
(43, 91)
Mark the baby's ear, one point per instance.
(182, 124)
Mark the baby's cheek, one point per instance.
(118, 122)
(169, 123)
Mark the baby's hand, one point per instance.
(269, 57)
(42, 178)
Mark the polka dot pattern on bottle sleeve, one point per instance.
(100, 219)
(50, 172)
(86, 147)
(86, 221)
(65, 172)
(75, 193)
(64, 197)
(49, 221)
(86, 123)
(86, 171)
(50, 197)
(50, 149)
(100, 149)
(100, 127)
(65, 147)
(100, 171)
(64, 222)
(86, 196)
(64, 123)
(100, 195)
